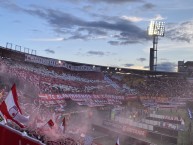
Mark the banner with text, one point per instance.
(60, 63)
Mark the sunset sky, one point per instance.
(100, 32)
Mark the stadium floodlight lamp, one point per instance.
(156, 28)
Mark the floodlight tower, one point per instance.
(155, 29)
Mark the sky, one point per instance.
(100, 32)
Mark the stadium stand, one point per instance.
(143, 108)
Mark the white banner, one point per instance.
(60, 63)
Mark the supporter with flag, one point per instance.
(63, 125)
(46, 127)
(117, 143)
(11, 109)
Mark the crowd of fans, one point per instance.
(51, 80)
(158, 91)
(165, 87)
(57, 81)
(64, 140)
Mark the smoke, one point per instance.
(80, 120)
(27, 92)
(2, 68)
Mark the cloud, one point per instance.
(167, 66)
(66, 23)
(10, 6)
(148, 6)
(74, 27)
(146, 67)
(86, 33)
(81, 29)
(128, 65)
(92, 31)
(132, 66)
(115, 43)
(132, 19)
(79, 36)
(141, 59)
(104, 1)
(165, 59)
(49, 51)
(87, 8)
(46, 39)
(98, 53)
(115, 1)
(36, 30)
(130, 37)
(16, 21)
(124, 42)
(180, 32)
(158, 17)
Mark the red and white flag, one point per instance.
(11, 110)
(117, 143)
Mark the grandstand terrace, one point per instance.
(99, 102)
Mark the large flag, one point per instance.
(117, 143)
(11, 110)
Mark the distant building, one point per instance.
(186, 67)
(181, 66)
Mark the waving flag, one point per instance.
(50, 123)
(11, 110)
(46, 127)
(64, 122)
(117, 143)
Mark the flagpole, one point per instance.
(38, 129)
(44, 125)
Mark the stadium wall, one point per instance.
(121, 135)
(9, 136)
(15, 55)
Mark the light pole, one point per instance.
(155, 29)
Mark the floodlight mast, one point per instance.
(155, 29)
